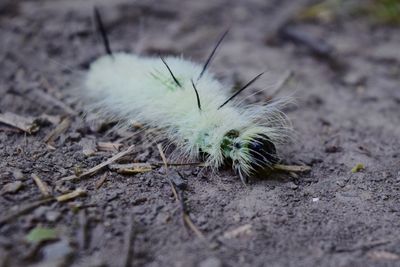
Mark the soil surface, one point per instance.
(347, 113)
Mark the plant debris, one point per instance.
(101, 181)
(89, 146)
(26, 124)
(357, 168)
(108, 146)
(99, 166)
(242, 230)
(69, 196)
(43, 187)
(291, 168)
(131, 168)
(60, 128)
(179, 198)
(41, 234)
(129, 239)
(383, 255)
(278, 219)
(11, 188)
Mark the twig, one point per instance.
(186, 218)
(131, 168)
(193, 227)
(134, 168)
(83, 227)
(100, 166)
(164, 159)
(160, 150)
(244, 229)
(101, 181)
(197, 164)
(365, 246)
(129, 242)
(74, 194)
(291, 168)
(107, 146)
(56, 132)
(180, 199)
(43, 187)
(155, 165)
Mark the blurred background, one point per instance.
(339, 59)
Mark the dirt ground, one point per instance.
(347, 113)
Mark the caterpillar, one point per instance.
(189, 105)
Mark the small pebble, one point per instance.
(18, 175)
(76, 136)
(354, 79)
(12, 187)
(341, 183)
(293, 186)
(52, 216)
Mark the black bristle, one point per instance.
(170, 72)
(102, 31)
(239, 91)
(197, 95)
(212, 54)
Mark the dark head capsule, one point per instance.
(263, 152)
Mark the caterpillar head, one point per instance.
(248, 152)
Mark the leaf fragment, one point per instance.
(26, 124)
(41, 234)
(359, 167)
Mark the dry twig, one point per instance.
(26, 124)
(160, 150)
(107, 146)
(291, 168)
(101, 181)
(128, 244)
(43, 187)
(100, 166)
(241, 230)
(69, 196)
(186, 218)
(56, 132)
(131, 168)
(83, 230)
(180, 198)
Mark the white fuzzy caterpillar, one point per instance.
(161, 93)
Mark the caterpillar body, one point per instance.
(189, 105)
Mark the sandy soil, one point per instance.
(344, 116)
